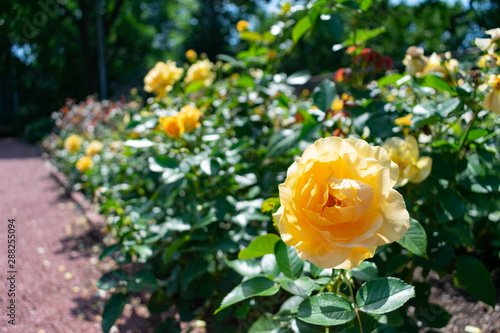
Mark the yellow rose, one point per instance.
(190, 117)
(162, 78)
(488, 60)
(242, 25)
(191, 55)
(492, 99)
(84, 163)
(440, 67)
(73, 143)
(415, 61)
(172, 126)
(93, 148)
(405, 154)
(338, 204)
(200, 71)
(115, 146)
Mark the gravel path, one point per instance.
(56, 268)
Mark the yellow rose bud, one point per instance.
(84, 163)
(492, 99)
(338, 204)
(337, 105)
(172, 126)
(190, 117)
(242, 25)
(404, 121)
(191, 55)
(161, 79)
(405, 154)
(73, 143)
(93, 148)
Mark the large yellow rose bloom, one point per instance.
(172, 126)
(437, 66)
(201, 71)
(161, 79)
(190, 117)
(93, 148)
(84, 163)
(338, 204)
(73, 143)
(405, 153)
(492, 99)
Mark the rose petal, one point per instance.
(396, 219)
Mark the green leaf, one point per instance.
(432, 315)
(350, 4)
(142, 280)
(193, 87)
(473, 276)
(256, 286)
(211, 166)
(246, 267)
(324, 95)
(174, 247)
(361, 36)
(281, 142)
(302, 26)
(332, 26)
(298, 78)
(245, 82)
(436, 82)
(108, 251)
(303, 286)
(367, 270)
(265, 324)
(193, 270)
(389, 79)
(476, 134)
(364, 5)
(288, 260)
(383, 295)
(250, 36)
(270, 205)
(112, 279)
(269, 265)
(415, 239)
(260, 246)
(113, 310)
(326, 309)
(315, 270)
(143, 251)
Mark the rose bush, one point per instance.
(188, 180)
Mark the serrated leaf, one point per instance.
(314, 270)
(326, 309)
(302, 26)
(288, 260)
(415, 239)
(303, 286)
(113, 310)
(367, 270)
(256, 286)
(473, 276)
(260, 246)
(383, 295)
